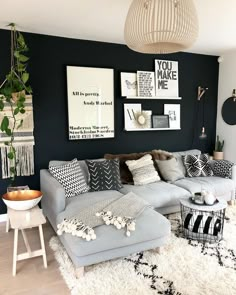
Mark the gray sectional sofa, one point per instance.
(152, 230)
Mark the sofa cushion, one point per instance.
(197, 165)
(222, 168)
(104, 175)
(126, 176)
(178, 156)
(150, 225)
(70, 176)
(158, 194)
(169, 169)
(220, 187)
(143, 170)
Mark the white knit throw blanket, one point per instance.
(120, 213)
(23, 142)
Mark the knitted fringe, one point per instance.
(81, 230)
(25, 159)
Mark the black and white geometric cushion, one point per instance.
(104, 175)
(197, 165)
(71, 177)
(222, 168)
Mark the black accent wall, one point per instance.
(47, 67)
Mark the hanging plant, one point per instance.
(13, 93)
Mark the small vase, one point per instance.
(218, 155)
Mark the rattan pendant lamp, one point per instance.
(161, 26)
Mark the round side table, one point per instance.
(202, 222)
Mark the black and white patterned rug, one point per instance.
(185, 267)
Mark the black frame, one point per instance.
(162, 119)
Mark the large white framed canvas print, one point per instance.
(90, 102)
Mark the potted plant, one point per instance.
(218, 152)
(13, 92)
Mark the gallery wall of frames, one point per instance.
(53, 113)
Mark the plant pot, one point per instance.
(218, 155)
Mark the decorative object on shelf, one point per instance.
(167, 84)
(90, 102)
(146, 84)
(229, 109)
(173, 111)
(143, 119)
(218, 153)
(161, 26)
(22, 199)
(16, 114)
(129, 114)
(160, 121)
(128, 84)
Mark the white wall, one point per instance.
(227, 82)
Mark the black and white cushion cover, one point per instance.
(71, 177)
(222, 168)
(104, 175)
(197, 165)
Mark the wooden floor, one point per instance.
(31, 277)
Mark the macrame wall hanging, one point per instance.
(23, 141)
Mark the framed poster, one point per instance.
(173, 111)
(167, 80)
(146, 84)
(160, 121)
(128, 84)
(90, 102)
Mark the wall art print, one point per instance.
(146, 84)
(90, 102)
(173, 111)
(128, 84)
(167, 80)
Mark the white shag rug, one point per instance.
(185, 267)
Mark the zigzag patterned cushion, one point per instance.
(197, 165)
(71, 177)
(222, 168)
(104, 175)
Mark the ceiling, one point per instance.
(103, 20)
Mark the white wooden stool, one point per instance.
(20, 220)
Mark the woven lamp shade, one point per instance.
(161, 26)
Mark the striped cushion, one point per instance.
(143, 170)
(71, 177)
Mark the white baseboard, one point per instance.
(3, 217)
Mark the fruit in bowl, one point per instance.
(22, 199)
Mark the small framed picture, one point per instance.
(160, 121)
(128, 84)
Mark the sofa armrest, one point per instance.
(54, 199)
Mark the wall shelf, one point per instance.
(153, 97)
(152, 129)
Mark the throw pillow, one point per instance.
(197, 165)
(169, 170)
(104, 175)
(222, 168)
(125, 174)
(71, 177)
(143, 170)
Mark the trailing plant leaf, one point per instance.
(21, 123)
(16, 111)
(25, 77)
(22, 111)
(8, 132)
(1, 105)
(10, 155)
(4, 124)
(23, 58)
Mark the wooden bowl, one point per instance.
(22, 200)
